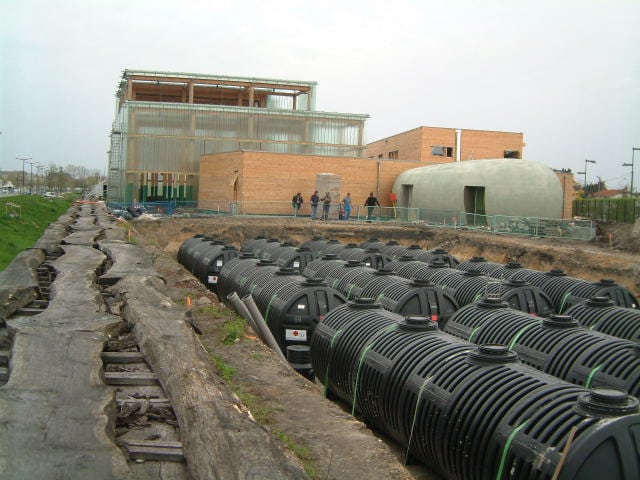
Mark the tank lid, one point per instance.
(329, 256)
(303, 249)
(512, 282)
(384, 271)
(414, 247)
(392, 242)
(421, 282)
(473, 273)
(513, 265)
(333, 241)
(372, 250)
(264, 263)
(352, 245)
(560, 321)
(477, 259)
(438, 251)
(606, 402)
(491, 303)
(288, 243)
(437, 263)
(363, 303)
(606, 282)
(492, 354)
(555, 272)
(244, 255)
(229, 247)
(600, 302)
(287, 271)
(313, 282)
(353, 263)
(417, 323)
(406, 258)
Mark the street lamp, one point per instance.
(586, 162)
(633, 153)
(31, 164)
(23, 160)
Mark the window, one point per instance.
(511, 154)
(380, 156)
(393, 155)
(439, 151)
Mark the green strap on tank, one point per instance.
(507, 446)
(564, 299)
(326, 375)
(349, 291)
(415, 416)
(592, 374)
(518, 334)
(473, 333)
(266, 313)
(389, 328)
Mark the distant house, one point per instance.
(7, 187)
(610, 193)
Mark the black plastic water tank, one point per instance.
(602, 315)
(557, 345)
(234, 273)
(437, 254)
(372, 243)
(471, 413)
(211, 261)
(480, 264)
(411, 297)
(507, 270)
(521, 295)
(321, 267)
(186, 247)
(287, 255)
(370, 257)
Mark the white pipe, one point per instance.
(458, 144)
(244, 312)
(262, 325)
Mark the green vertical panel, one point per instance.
(189, 193)
(144, 190)
(128, 193)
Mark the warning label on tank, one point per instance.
(212, 279)
(299, 335)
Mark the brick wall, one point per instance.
(276, 177)
(567, 181)
(417, 144)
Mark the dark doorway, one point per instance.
(474, 205)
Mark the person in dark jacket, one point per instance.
(371, 202)
(297, 202)
(326, 205)
(315, 199)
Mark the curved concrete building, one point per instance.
(485, 187)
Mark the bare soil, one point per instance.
(331, 443)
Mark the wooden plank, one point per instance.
(130, 378)
(164, 452)
(155, 402)
(122, 357)
(27, 311)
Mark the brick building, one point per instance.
(443, 145)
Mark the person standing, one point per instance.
(346, 202)
(326, 205)
(315, 199)
(297, 202)
(371, 203)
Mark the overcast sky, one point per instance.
(565, 73)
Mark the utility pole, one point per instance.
(633, 154)
(23, 160)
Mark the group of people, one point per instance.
(345, 205)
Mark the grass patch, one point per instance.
(260, 412)
(233, 331)
(300, 451)
(21, 228)
(226, 370)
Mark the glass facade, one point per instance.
(156, 146)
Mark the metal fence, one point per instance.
(497, 224)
